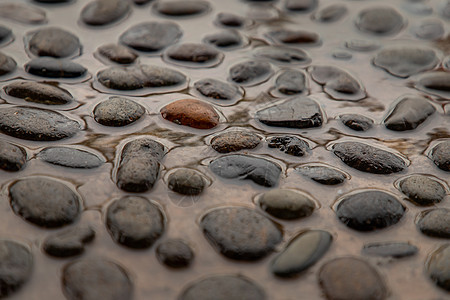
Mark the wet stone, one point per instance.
(178, 8)
(301, 6)
(369, 159)
(192, 113)
(151, 36)
(290, 145)
(16, 265)
(322, 174)
(103, 12)
(70, 158)
(201, 54)
(38, 92)
(422, 190)
(286, 204)
(134, 222)
(44, 202)
(223, 287)
(298, 112)
(224, 39)
(250, 72)
(7, 64)
(435, 222)
(186, 182)
(351, 278)
(12, 157)
(240, 233)
(438, 267)
(54, 68)
(440, 155)
(175, 253)
(291, 82)
(408, 113)
(390, 249)
(258, 170)
(369, 210)
(380, 20)
(96, 279)
(282, 54)
(232, 141)
(429, 30)
(118, 53)
(54, 42)
(231, 20)
(118, 111)
(216, 89)
(338, 83)
(331, 13)
(69, 242)
(36, 124)
(404, 61)
(301, 253)
(138, 168)
(435, 83)
(22, 13)
(294, 37)
(356, 122)
(5, 34)
(139, 77)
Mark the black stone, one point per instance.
(322, 174)
(118, 111)
(331, 13)
(175, 253)
(54, 68)
(380, 20)
(440, 155)
(291, 82)
(286, 204)
(289, 144)
(38, 93)
(356, 122)
(422, 190)
(294, 37)
(390, 249)
(54, 42)
(12, 157)
(186, 182)
(104, 12)
(7, 64)
(250, 72)
(216, 89)
(438, 267)
(283, 54)
(224, 39)
(69, 242)
(235, 140)
(70, 157)
(118, 53)
(435, 222)
(179, 8)
(151, 36)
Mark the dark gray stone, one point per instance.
(44, 202)
(286, 204)
(289, 144)
(54, 68)
(301, 6)
(435, 222)
(390, 249)
(291, 82)
(70, 157)
(38, 92)
(5, 35)
(118, 111)
(361, 45)
(224, 39)
(104, 12)
(440, 155)
(186, 182)
(7, 64)
(23, 13)
(322, 174)
(294, 37)
(202, 55)
(380, 20)
(216, 89)
(231, 20)
(54, 42)
(151, 36)
(422, 190)
(235, 140)
(12, 157)
(408, 113)
(175, 253)
(250, 72)
(240, 233)
(438, 267)
(179, 8)
(118, 53)
(435, 83)
(429, 30)
(356, 122)
(331, 13)
(283, 54)
(69, 242)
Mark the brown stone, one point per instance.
(192, 113)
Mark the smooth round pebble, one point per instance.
(175, 253)
(186, 182)
(286, 204)
(438, 267)
(118, 111)
(192, 113)
(422, 190)
(435, 222)
(235, 140)
(12, 157)
(70, 157)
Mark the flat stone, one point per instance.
(37, 92)
(338, 83)
(408, 113)
(362, 45)
(298, 112)
(294, 37)
(380, 20)
(438, 267)
(202, 55)
(104, 12)
(431, 29)
(322, 174)
(54, 42)
(422, 190)
(286, 204)
(331, 13)
(12, 157)
(390, 249)
(437, 83)
(22, 13)
(440, 155)
(151, 36)
(356, 122)
(69, 242)
(118, 53)
(301, 6)
(301, 253)
(186, 182)
(7, 64)
(96, 278)
(70, 158)
(175, 253)
(36, 124)
(178, 8)
(191, 112)
(231, 20)
(369, 210)
(224, 39)
(235, 140)
(250, 72)
(291, 82)
(404, 61)
(259, 170)
(282, 54)
(369, 159)
(6, 35)
(44, 202)
(138, 167)
(349, 278)
(218, 90)
(54, 68)
(16, 266)
(223, 287)
(240, 233)
(290, 145)
(342, 54)
(134, 222)
(118, 111)
(435, 222)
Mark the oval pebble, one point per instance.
(104, 12)
(440, 155)
(23, 13)
(380, 20)
(282, 54)
(422, 190)
(286, 204)
(54, 42)
(7, 64)
(12, 157)
(193, 55)
(294, 37)
(390, 249)
(250, 72)
(70, 157)
(175, 253)
(151, 36)
(231, 20)
(331, 13)
(50, 67)
(218, 90)
(429, 30)
(186, 182)
(118, 111)
(6, 35)
(38, 92)
(191, 112)
(435, 222)
(291, 82)
(301, 6)
(356, 122)
(69, 242)
(438, 267)
(322, 174)
(435, 83)
(235, 140)
(226, 39)
(408, 113)
(290, 145)
(177, 8)
(118, 53)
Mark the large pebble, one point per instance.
(422, 190)
(7, 64)
(302, 252)
(240, 233)
(103, 12)
(69, 242)
(438, 267)
(298, 112)
(380, 20)
(429, 29)
(290, 145)
(440, 155)
(134, 222)
(16, 265)
(404, 61)
(54, 68)
(191, 112)
(390, 249)
(408, 113)
(151, 36)
(294, 37)
(12, 157)
(138, 167)
(118, 111)
(192, 54)
(223, 287)
(226, 39)
(22, 13)
(96, 278)
(350, 278)
(38, 92)
(178, 8)
(259, 170)
(36, 124)
(235, 140)
(250, 72)
(175, 253)
(331, 13)
(356, 122)
(369, 210)
(44, 202)
(437, 83)
(435, 222)
(286, 204)
(283, 54)
(369, 159)
(70, 157)
(54, 42)
(301, 6)
(322, 174)
(186, 182)
(291, 82)
(117, 53)
(219, 90)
